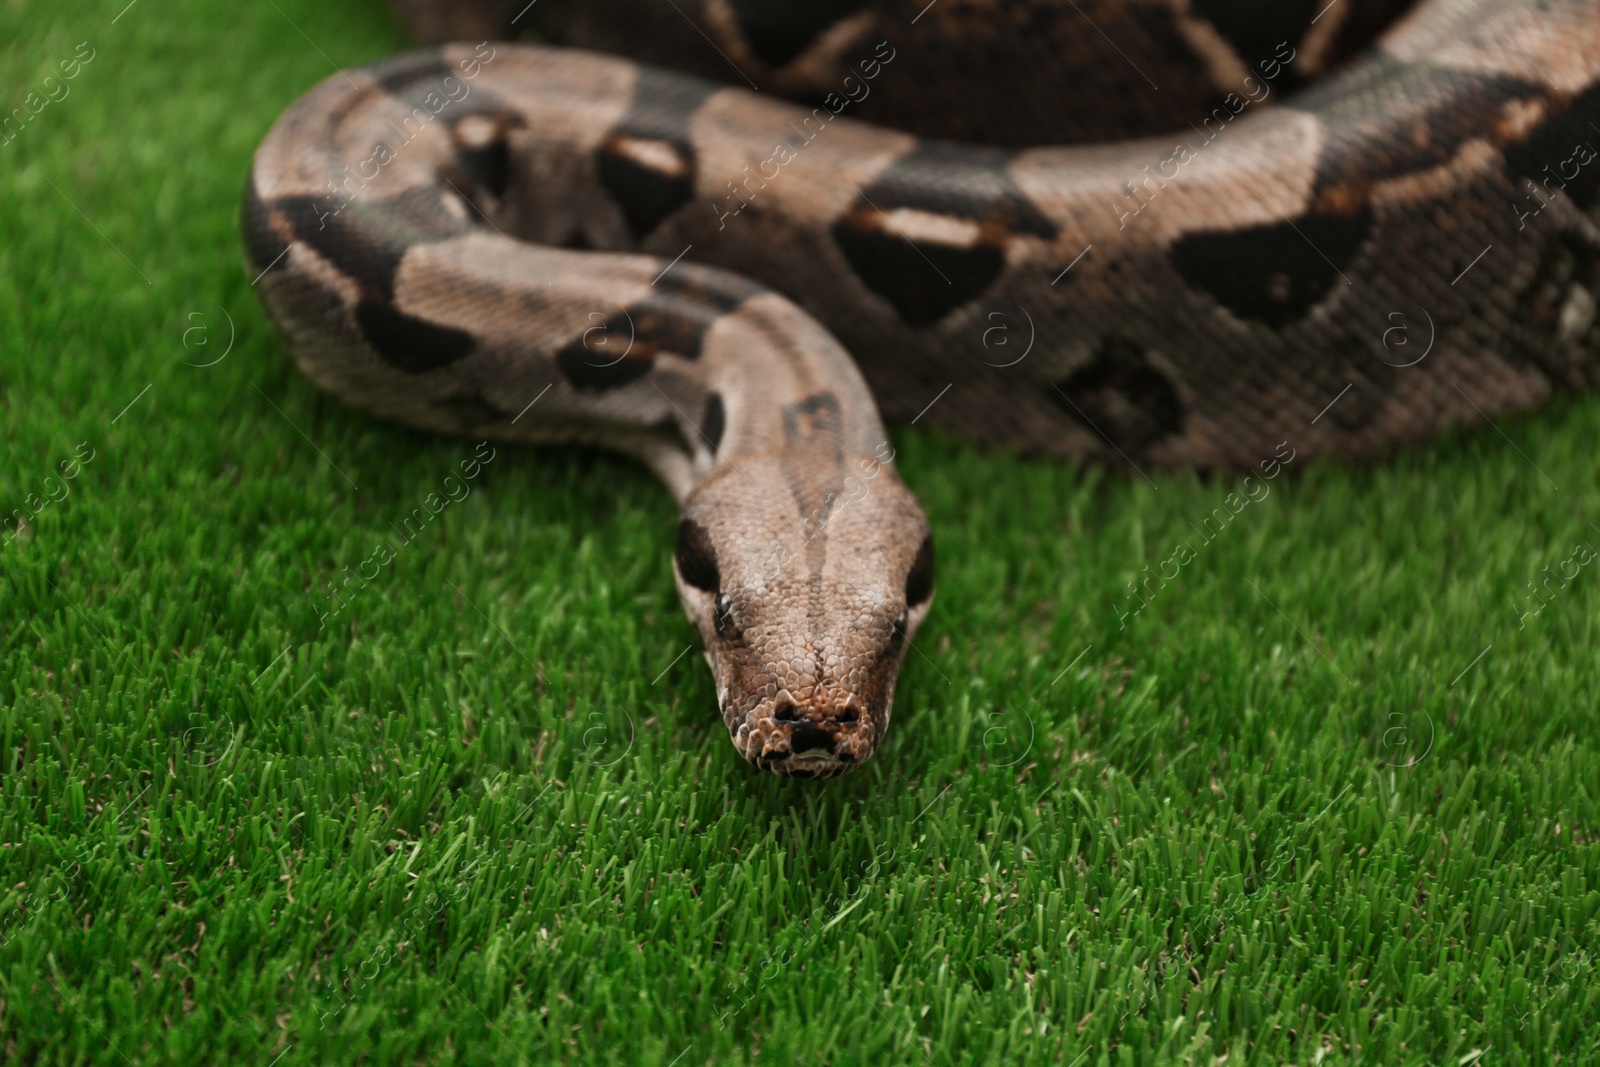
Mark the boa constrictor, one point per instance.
(534, 243)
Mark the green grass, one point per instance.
(1288, 813)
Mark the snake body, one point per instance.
(544, 244)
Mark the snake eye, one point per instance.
(722, 614)
(696, 559)
(897, 631)
(919, 580)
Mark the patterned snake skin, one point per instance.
(1309, 240)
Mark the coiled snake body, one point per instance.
(549, 244)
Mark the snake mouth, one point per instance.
(807, 760)
(807, 765)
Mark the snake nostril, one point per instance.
(785, 712)
(849, 716)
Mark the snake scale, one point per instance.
(1346, 225)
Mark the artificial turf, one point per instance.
(1330, 798)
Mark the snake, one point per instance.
(733, 238)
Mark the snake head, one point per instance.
(807, 602)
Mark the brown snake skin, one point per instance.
(1347, 250)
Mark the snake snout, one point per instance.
(816, 740)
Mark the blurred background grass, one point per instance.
(1329, 798)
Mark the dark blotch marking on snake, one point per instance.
(1121, 396)
(1364, 142)
(813, 462)
(714, 421)
(814, 419)
(1539, 157)
(479, 124)
(647, 163)
(348, 241)
(1256, 28)
(367, 242)
(482, 141)
(673, 318)
(413, 345)
(589, 370)
(779, 30)
(488, 168)
(1159, 25)
(262, 244)
(696, 557)
(1277, 272)
(919, 579)
(924, 280)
